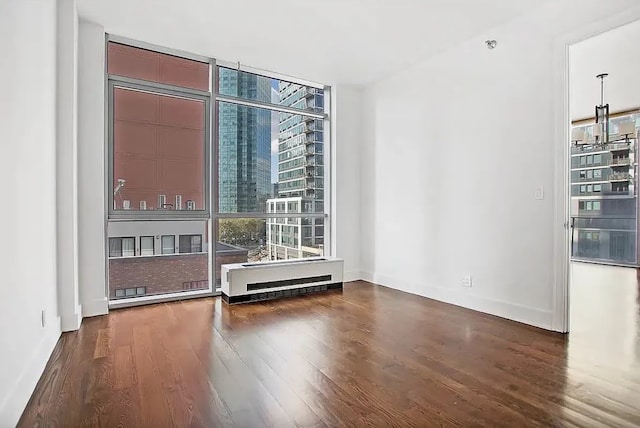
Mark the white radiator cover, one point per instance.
(246, 282)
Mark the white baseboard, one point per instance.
(71, 322)
(366, 276)
(95, 307)
(20, 393)
(524, 314)
(353, 275)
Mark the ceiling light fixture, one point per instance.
(491, 44)
(601, 133)
(601, 128)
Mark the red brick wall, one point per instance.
(165, 274)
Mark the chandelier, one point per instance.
(601, 134)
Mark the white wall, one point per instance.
(66, 165)
(27, 174)
(612, 52)
(91, 169)
(346, 138)
(459, 143)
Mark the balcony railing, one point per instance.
(312, 127)
(620, 162)
(618, 146)
(604, 239)
(621, 176)
(592, 147)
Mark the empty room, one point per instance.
(341, 213)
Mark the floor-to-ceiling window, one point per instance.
(208, 165)
(159, 173)
(271, 167)
(604, 195)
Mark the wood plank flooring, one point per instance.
(364, 356)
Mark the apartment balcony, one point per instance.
(620, 162)
(622, 176)
(597, 148)
(310, 128)
(618, 147)
(604, 239)
(610, 189)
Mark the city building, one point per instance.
(604, 199)
(149, 258)
(158, 150)
(296, 237)
(244, 175)
(300, 186)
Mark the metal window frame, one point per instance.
(268, 106)
(156, 48)
(162, 90)
(162, 245)
(153, 243)
(269, 74)
(211, 213)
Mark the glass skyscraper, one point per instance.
(244, 175)
(300, 176)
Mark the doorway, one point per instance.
(604, 112)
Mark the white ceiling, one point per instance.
(612, 52)
(327, 41)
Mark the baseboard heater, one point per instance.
(252, 282)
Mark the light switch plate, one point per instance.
(539, 193)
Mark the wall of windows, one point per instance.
(604, 197)
(208, 164)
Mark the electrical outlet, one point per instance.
(539, 193)
(44, 317)
(466, 281)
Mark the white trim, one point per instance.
(267, 73)
(560, 304)
(353, 275)
(95, 307)
(160, 298)
(599, 152)
(520, 313)
(19, 393)
(580, 183)
(71, 322)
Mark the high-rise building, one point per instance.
(244, 176)
(603, 198)
(300, 175)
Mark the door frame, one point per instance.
(562, 126)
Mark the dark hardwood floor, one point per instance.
(365, 356)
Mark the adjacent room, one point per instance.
(320, 214)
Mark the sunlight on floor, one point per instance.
(604, 315)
